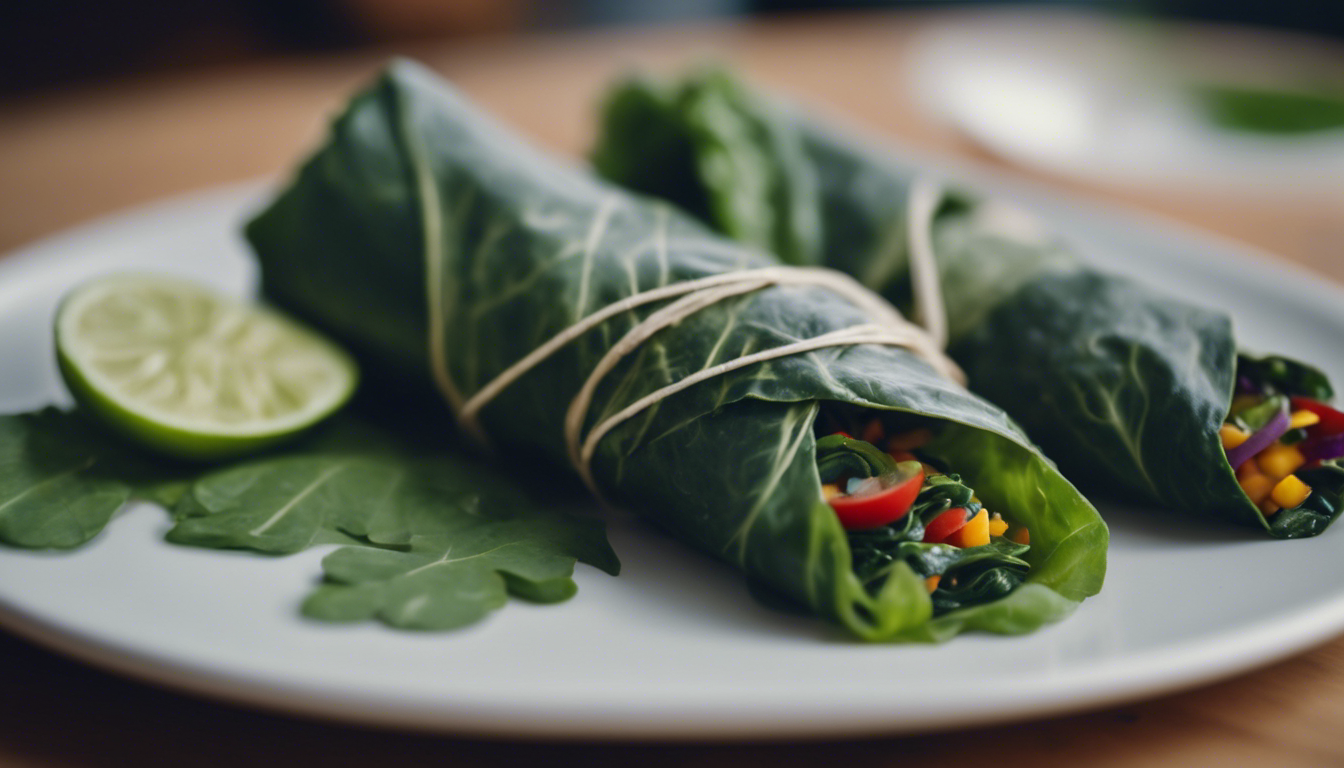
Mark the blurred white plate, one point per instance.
(674, 647)
(1097, 98)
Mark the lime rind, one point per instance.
(193, 373)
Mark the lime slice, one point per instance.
(193, 373)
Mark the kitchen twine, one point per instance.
(926, 337)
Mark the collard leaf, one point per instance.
(470, 249)
(1125, 386)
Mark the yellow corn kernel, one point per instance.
(997, 525)
(830, 491)
(1268, 507)
(1303, 419)
(1247, 469)
(974, 533)
(1232, 436)
(1257, 487)
(909, 441)
(931, 583)
(1279, 460)
(1021, 536)
(1290, 492)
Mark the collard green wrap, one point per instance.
(1124, 386)
(424, 225)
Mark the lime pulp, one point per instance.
(193, 373)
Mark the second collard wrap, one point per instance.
(1125, 386)
(424, 234)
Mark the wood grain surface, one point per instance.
(77, 154)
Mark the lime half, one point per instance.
(193, 373)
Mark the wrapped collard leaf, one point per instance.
(1131, 391)
(692, 380)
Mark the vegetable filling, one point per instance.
(1279, 430)
(899, 505)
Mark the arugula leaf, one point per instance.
(440, 540)
(62, 480)
(352, 482)
(443, 582)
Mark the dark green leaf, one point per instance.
(448, 581)
(1279, 375)
(1126, 387)
(416, 184)
(62, 479)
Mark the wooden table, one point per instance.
(73, 155)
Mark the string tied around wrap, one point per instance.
(925, 338)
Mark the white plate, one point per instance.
(674, 647)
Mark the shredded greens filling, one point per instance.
(1283, 440)
(899, 504)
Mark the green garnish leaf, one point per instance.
(438, 540)
(62, 480)
(50, 495)
(289, 503)
(444, 581)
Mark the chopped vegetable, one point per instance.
(1021, 536)
(1232, 436)
(1257, 487)
(1279, 460)
(943, 533)
(1290, 492)
(1242, 402)
(1253, 418)
(944, 525)
(1331, 420)
(1303, 418)
(879, 501)
(1260, 440)
(997, 525)
(877, 490)
(1324, 448)
(1247, 469)
(975, 533)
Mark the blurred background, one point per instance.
(1228, 115)
(44, 45)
